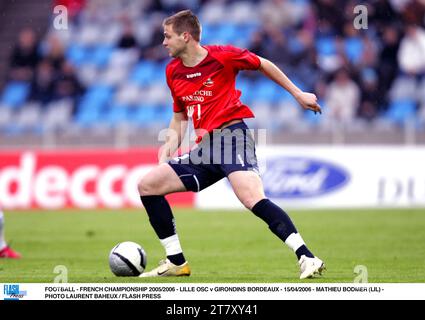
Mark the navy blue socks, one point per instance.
(162, 221)
(281, 225)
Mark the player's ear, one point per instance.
(186, 36)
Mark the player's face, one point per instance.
(174, 43)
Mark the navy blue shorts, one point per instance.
(219, 154)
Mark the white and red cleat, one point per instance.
(9, 253)
(311, 267)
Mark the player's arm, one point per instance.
(174, 136)
(305, 99)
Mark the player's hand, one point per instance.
(308, 101)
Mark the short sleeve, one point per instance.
(177, 106)
(242, 59)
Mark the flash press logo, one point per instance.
(12, 292)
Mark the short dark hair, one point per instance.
(185, 21)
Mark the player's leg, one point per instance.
(243, 175)
(248, 187)
(159, 182)
(176, 176)
(5, 250)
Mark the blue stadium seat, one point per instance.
(229, 32)
(225, 33)
(244, 34)
(207, 33)
(264, 90)
(164, 114)
(89, 103)
(100, 55)
(295, 45)
(401, 110)
(143, 73)
(116, 114)
(299, 83)
(158, 74)
(92, 104)
(13, 130)
(15, 94)
(144, 115)
(245, 86)
(246, 30)
(87, 117)
(95, 99)
(101, 93)
(76, 54)
(325, 46)
(283, 95)
(353, 49)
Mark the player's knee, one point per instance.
(146, 187)
(249, 202)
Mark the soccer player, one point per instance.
(202, 83)
(5, 250)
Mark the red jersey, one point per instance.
(206, 92)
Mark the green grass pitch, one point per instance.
(221, 246)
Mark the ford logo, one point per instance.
(296, 177)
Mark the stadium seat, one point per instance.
(207, 33)
(325, 46)
(28, 119)
(6, 117)
(262, 111)
(156, 94)
(100, 55)
(92, 104)
(15, 93)
(353, 49)
(403, 87)
(212, 12)
(286, 113)
(57, 115)
(227, 32)
(113, 75)
(400, 111)
(265, 90)
(115, 115)
(244, 34)
(421, 92)
(143, 72)
(100, 93)
(128, 94)
(76, 54)
(158, 74)
(87, 117)
(163, 114)
(245, 86)
(295, 46)
(299, 83)
(144, 115)
(242, 12)
(283, 95)
(123, 58)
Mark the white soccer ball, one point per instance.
(127, 259)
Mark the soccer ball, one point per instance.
(127, 259)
